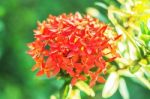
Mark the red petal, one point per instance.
(84, 60)
(43, 65)
(53, 30)
(73, 81)
(78, 67)
(40, 73)
(66, 33)
(48, 74)
(117, 37)
(34, 67)
(103, 29)
(44, 37)
(71, 54)
(56, 71)
(54, 45)
(31, 52)
(89, 51)
(48, 62)
(70, 22)
(86, 70)
(82, 77)
(70, 71)
(74, 47)
(98, 64)
(45, 52)
(75, 58)
(46, 31)
(66, 60)
(112, 59)
(92, 83)
(63, 66)
(101, 79)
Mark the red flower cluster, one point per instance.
(73, 44)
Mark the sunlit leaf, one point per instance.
(75, 94)
(134, 68)
(143, 62)
(93, 12)
(142, 27)
(67, 92)
(83, 86)
(111, 85)
(123, 89)
(101, 5)
(147, 67)
(143, 80)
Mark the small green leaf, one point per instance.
(85, 88)
(145, 37)
(134, 68)
(111, 85)
(147, 68)
(142, 50)
(67, 92)
(93, 12)
(102, 5)
(112, 69)
(143, 62)
(142, 26)
(75, 94)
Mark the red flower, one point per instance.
(75, 45)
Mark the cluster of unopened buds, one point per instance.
(79, 46)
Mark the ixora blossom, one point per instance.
(78, 46)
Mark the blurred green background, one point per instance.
(17, 21)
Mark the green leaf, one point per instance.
(146, 70)
(102, 5)
(142, 26)
(145, 28)
(147, 67)
(75, 94)
(93, 12)
(145, 37)
(141, 48)
(111, 85)
(134, 68)
(143, 80)
(67, 92)
(85, 88)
